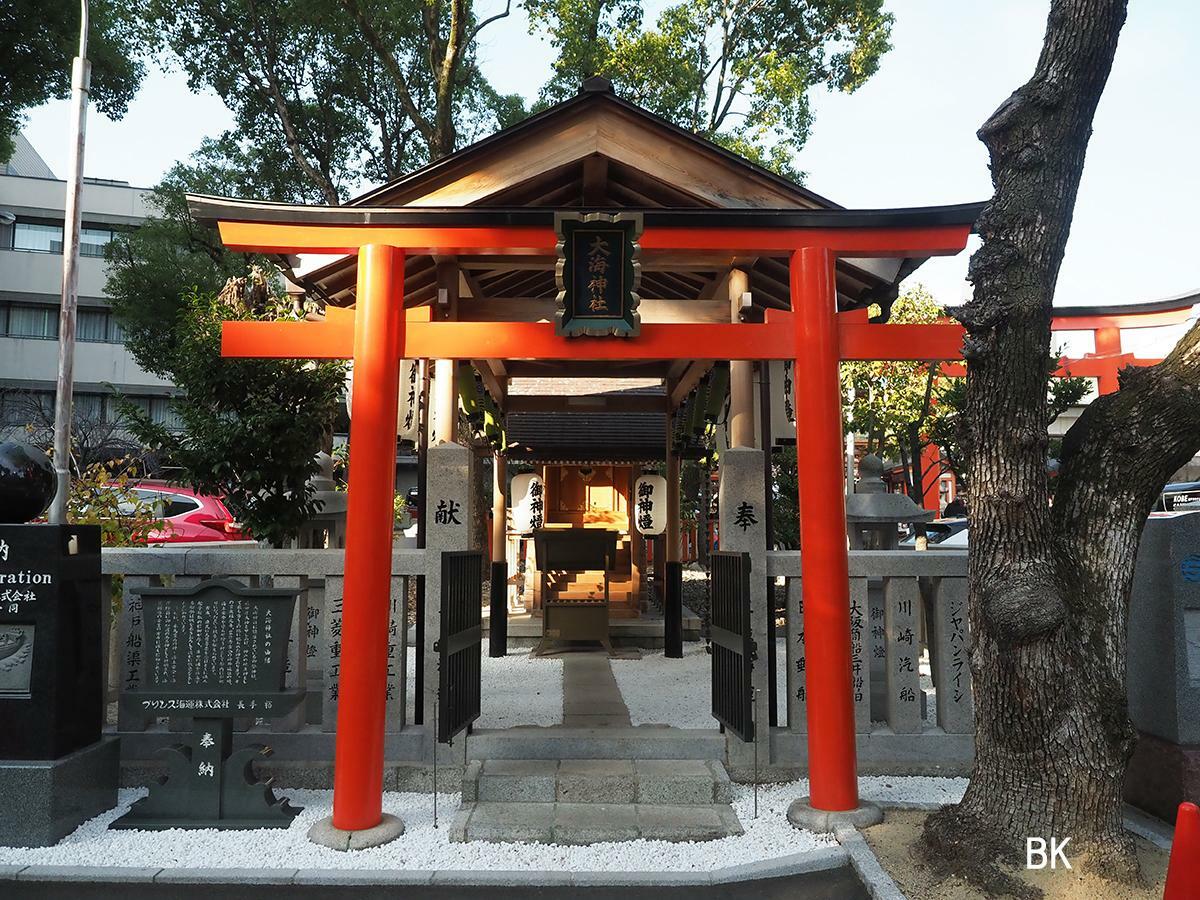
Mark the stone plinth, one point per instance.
(42, 801)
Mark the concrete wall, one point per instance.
(40, 274)
(117, 203)
(33, 363)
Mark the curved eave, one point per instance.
(1177, 303)
(210, 210)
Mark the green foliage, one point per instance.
(152, 268)
(251, 428)
(39, 40)
(785, 503)
(947, 432)
(336, 92)
(737, 72)
(896, 404)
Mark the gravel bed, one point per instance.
(520, 689)
(422, 847)
(677, 692)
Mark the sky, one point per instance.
(907, 138)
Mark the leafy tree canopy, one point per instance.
(38, 41)
(736, 72)
(251, 428)
(337, 92)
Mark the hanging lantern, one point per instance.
(528, 502)
(408, 406)
(650, 504)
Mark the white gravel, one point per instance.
(677, 692)
(661, 691)
(518, 689)
(421, 847)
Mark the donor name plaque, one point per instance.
(213, 652)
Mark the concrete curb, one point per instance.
(1144, 825)
(878, 882)
(819, 860)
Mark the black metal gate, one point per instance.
(458, 645)
(733, 649)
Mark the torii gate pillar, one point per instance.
(825, 586)
(358, 749)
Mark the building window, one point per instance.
(93, 241)
(38, 237)
(92, 324)
(33, 321)
(42, 237)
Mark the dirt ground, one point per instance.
(893, 843)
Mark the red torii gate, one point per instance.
(379, 333)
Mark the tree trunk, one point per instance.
(1047, 588)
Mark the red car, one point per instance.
(187, 516)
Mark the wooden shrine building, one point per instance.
(592, 241)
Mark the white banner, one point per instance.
(408, 401)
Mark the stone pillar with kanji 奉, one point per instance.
(741, 508)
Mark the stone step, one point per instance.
(590, 823)
(673, 782)
(646, 742)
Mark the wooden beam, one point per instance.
(496, 385)
(595, 180)
(653, 310)
(691, 377)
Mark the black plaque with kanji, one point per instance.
(214, 652)
(51, 621)
(598, 274)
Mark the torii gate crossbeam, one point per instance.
(380, 333)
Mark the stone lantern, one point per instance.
(873, 515)
(873, 519)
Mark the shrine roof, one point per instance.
(209, 210)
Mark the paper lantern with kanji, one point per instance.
(528, 502)
(408, 406)
(650, 504)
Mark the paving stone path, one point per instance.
(591, 698)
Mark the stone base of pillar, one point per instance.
(802, 815)
(323, 833)
(673, 611)
(498, 621)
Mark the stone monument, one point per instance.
(213, 652)
(57, 770)
(1163, 666)
(873, 517)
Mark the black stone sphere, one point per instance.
(26, 482)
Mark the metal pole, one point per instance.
(81, 78)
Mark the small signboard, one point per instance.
(214, 652)
(598, 274)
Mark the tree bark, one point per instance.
(1048, 588)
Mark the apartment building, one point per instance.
(32, 201)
